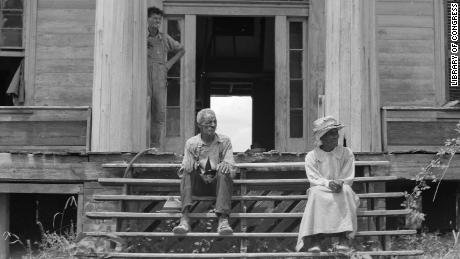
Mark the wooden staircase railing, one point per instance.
(266, 206)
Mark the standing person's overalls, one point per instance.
(158, 47)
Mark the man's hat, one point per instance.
(322, 125)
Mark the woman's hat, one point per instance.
(324, 124)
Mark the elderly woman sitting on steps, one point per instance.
(332, 204)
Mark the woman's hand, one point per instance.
(336, 185)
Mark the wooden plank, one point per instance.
(373, 77)
(41, 188)
(189, 80)
(238, 198)
(70, 52)
(441, 89)
(405, 46)
(120, 88)
(64, 65)
(69, 4)
(30, 53)
(230, 9)
(258, 255)
(407, 133)
(119, 181)
(404, 8)
(404, 33)
(414, 21)
(404, 72)
(66, 20)
(250, 166)
(285, 215)
(56, 133)
(4, 224)
(281, 83)
(239, 234)
(65, 39)
(316, 48)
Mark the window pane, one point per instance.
(174, 29)
(295, 35)
(296, 93)
(295, 63)
(11, 4)
(12, 20)
(173, 94)
(296, 123)
(172, 121)
(10, 37)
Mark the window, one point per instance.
(296, 50)
(11, 24)
(174, 82)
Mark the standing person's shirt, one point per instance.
(159, 45)
(197, 153)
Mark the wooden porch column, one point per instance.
(120, 103)
(4, 224)
(351, 87)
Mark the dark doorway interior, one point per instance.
(8, 66)
(235, 57)
(27, 209)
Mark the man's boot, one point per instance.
(184, 225)
(224, 227)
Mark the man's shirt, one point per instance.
(197, 153)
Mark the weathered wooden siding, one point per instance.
(64, 52)
(406, 55)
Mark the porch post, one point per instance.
(351, 85)
(120, 103)
(4, 224)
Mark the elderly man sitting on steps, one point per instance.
(207, 170)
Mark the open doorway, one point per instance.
(235, 57)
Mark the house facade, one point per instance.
(379, 66)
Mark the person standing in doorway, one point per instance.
(159, 44)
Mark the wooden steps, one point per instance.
(151, 182)
(264, 206)
(258, 167)
(257, 255)
(241, 234)
(267, 215)
(235, 198)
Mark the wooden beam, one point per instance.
(240, 234)
(4, 224)
(120, 77)
(30, 50)
(281, 83)
(236, 198)
(234, 10)
(259, 255)
(136, 181)
(40, 188)
(281, 215)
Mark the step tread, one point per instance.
(256, 255)
(246, 197)
(137, 181)
(241, 234)
(258, 166)
(108, 214)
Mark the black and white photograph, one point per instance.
(229, 129)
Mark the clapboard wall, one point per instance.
(406, 55)
(64, 52)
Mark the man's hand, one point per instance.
(336, 185)
(224, 168)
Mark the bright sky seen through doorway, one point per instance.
(234, 119)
